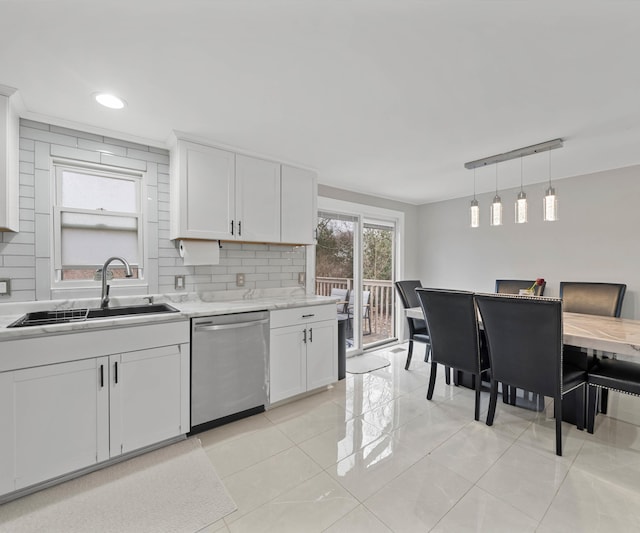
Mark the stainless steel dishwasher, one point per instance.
(229, 355)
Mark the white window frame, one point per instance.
(139, 180)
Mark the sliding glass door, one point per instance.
(355, 263)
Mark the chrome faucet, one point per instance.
(104, 299)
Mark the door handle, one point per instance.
(310, 334)
(304, 335)
(239, 228)
(232, 227)
(115, 372)
(101, 376)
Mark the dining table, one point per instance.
(617, 336)
(604, 333)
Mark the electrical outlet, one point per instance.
(179, 283)
(5, 287)
(302, 278)
(240, 279)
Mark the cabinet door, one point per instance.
(204, 186)
(257, 200)
(322, 353)
(7, 433)
(146, 391)
(9, 175)
(298, 222)
(60, 415)
(287, 363)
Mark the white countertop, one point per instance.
(189, 305)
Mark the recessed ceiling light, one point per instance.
(109, 100)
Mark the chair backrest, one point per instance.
(592, 298)
(342, 294)
(407, 292)
(513, 286)
(524, 337)
(365, 300)
(453, 328)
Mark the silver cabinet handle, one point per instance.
(219, 327)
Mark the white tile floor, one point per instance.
(372, 454)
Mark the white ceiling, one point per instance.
(387, 97)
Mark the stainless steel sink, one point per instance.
(64, 316)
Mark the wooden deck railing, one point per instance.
(381, 301)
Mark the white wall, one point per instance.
(596, 238)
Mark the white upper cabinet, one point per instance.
(9, 176)
(220, 195)
(202, 191)
(298, 215)
(257, 200)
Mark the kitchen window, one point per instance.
(97, 215)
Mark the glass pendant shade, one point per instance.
(550, 205)
(496, 211)
(474, 213)
(521, 208)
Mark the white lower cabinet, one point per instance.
(59, 418)
(145, 389)
(303, 350)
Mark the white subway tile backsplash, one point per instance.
(27, 145)
(26, 155)
(33, 124)
(118, 161)
(76, 133)
(149, 156)
(47, 136)
(43, 199)
(75, 153)
(18, 273)
(42, 158)
(19, 260)
(98, 146)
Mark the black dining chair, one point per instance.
(589, 298)
(513, 286)
(417, 327)
(452, 322)
(611, 374)
(524, 338)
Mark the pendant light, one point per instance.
(474, 209)
(550, 200)
(496, 206)
(521, 200)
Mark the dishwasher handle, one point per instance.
(234, 325)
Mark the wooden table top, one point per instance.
(609, 334)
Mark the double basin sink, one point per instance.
(63, 316)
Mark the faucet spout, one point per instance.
(104, 298)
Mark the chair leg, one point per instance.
(580, 407)
(406, 365)
(604, 400)
(432, 380)
(592, 407)
(493, 399)
(478, 384)
(557, 411)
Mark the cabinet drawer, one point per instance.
(302, 315)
